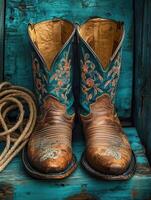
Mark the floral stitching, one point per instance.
(114, 152)
(91, 79)
(62, 77)
(40, 80)
(57, 82)
(93, 83)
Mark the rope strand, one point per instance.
(15, 134)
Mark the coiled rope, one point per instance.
(15, 134)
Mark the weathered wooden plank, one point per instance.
(143, 71)
(2, 9)
(20, 13)
(23, 187)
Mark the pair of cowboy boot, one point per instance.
(49, 155)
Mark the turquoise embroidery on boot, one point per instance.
(94, 79)
(40, 79)
(60, 81)
(57, 81)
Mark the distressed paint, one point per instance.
(142, 111)
(2, 9)
(6, 191)
(17, 52)
(14, 181)
(137, 188)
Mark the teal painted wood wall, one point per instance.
(14, 182)
(1, 37)
(142, 111)
(17, 50)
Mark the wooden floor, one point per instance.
(15, 184)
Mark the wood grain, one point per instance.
(137, 188)
(142, 100)
(2, 11)
(14, 180)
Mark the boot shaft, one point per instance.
(100, 42)
(52, 43)
(99, 47)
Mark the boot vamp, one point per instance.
(108, 149)
(49, 148)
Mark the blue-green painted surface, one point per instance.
(142, 93)
(137, 188)
(17, 51)
(18, 70)
(2, 17)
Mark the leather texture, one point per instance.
(107, 148)
(49, 149)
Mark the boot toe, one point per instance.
(50, 160)
(108, 162)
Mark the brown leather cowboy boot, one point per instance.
(108, 154)
(49, 153)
